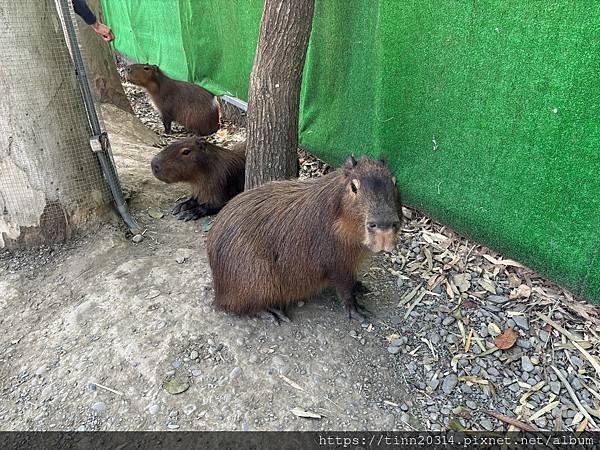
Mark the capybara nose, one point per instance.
(155, 167)
(383, 225)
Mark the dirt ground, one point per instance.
(106, 334)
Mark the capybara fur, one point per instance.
(214, 174)
(286, 240)
(192, 106)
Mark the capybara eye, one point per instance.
(353, 187)
(146, 68)
(186, 151)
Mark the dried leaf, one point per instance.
(155, 213)
(504, 262)
(462, 281)
(546, 409)
(455, 425)
(391, 337)
(493, 329)
(487, 285)
(513, 281)
(583, 425)
(299, 412)
(468, 343)
(507, 339)
(523, 291)
(292, 383)
(175, 387)
(517, 423)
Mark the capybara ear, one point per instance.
(350, 162)
(382, 159)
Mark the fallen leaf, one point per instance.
(507, 339)
(175, 387)
(462, 281)
(299, 412)
(493, 329)
(513, 281)
(155, 213)
(488, 285)
(455, 425)
(391, 337)
(523, 291)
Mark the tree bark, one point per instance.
(274, 96)
(100, 63)
(51, 183)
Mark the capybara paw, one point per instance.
(356, 312)
(276, 315)
(184, 206)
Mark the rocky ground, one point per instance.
(103, 333)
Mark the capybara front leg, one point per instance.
(167, 121)
(360, 288)
(345, 291)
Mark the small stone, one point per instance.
(521, 322)
(493, 372)
(544, 336)
(535, 360)
(172, 426)
(196, 373)
(252, 359)
(434, 338)
(404, 407)
(448, 320)
(137, 238)
(393, 350)
(576, 384)
(396, 343)
(99, 407)
(41, 371)
(235, 372)
(176, 364)
(194, 355)
(487, 424)
(526, 364)
(577, 362)
(523, 343)
(81, 428)
(91, 386)
(471, 404)
(510, 323)
(449, 383)
(153, 409)
(483, 331)
(498, 299)
(180, 259)
(433, 384)
(514, 387)
(189, 409)
(170, 373)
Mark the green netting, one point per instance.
(488, 111)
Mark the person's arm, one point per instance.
(83, 10)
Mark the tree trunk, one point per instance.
(274, 96)
(50, 180)
(100, 63)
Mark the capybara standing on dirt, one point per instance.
(192, 106)
(286, 240)
(215, 174)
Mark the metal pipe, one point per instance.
(99, 139)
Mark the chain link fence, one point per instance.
(51, 182)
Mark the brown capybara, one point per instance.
(192, 106)
(215, 174)
(286, 240)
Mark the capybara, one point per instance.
(192, 106)
(215, 174)
(286, 240)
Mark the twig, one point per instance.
(574, 397)
(108, 389)
(509, 420)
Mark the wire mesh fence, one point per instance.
(50, 180)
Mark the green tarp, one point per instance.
(488, 111)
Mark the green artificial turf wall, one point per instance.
(488, 111)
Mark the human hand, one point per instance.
(104, 31)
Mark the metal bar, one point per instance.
(105, 155)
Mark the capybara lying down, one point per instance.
(215, 174)
(192, 106)
(286, 240)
